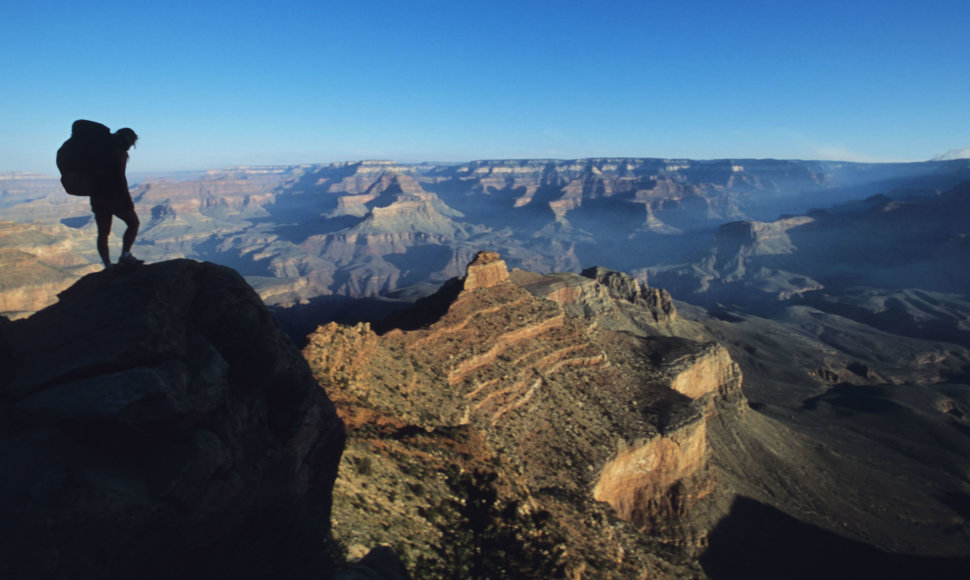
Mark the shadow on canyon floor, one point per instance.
(758, 541)
(383, 313)
(299, 320)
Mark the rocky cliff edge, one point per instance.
(155, 423)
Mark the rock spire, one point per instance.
(485, 271)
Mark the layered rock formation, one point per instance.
(486, 270)
(879, 242)
(754, 254)
(848, 449)
(610, 299)
(38, 262)
(156, 424)
(524, 376)
(369, 228)
(394, 217)
(657, 482)
(564, 414)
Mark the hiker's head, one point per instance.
(126, 138)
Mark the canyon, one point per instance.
(376, 228)
(560, 414)
(661, 368)
(567, 387)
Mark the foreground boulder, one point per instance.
(155, 423)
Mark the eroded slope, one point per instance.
(563, 413)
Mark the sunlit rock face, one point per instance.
(37, 262)
(703, 371)
(657, 483)
(565, 412)
(485, 271)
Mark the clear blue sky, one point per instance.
(214, 84)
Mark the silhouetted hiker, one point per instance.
(113, 199)
(93, 163)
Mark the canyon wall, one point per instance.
(564, 413)
(364, 229)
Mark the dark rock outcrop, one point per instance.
(155, 423)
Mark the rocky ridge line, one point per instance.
(566, 411)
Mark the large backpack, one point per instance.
(84, 160)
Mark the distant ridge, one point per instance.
(369, 228)
(953, 154)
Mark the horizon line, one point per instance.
(27, 174)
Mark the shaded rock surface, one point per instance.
(157, 424)
(381, 563)
(855, 444)
(836, 259)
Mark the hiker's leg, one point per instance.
(128, 240)
(104, 230)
